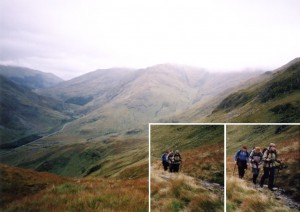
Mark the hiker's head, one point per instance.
(257, 149)
(272, 146)
(177, 151)
(167, 151)
(244, 148)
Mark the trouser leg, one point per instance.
(165, 164)
(265, 175)
(241, 171)
(176, 167)
(255, 174)
(171, 167)
(271, 178)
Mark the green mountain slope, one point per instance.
(276, 99)
(33, 79)
(123, 102)
(24, 113)
(112, 109)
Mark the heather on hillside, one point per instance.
(199, 184)
(286, 179)
(26, 190)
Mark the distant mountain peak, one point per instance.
(31, 78)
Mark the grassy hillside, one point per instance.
(112, 110)
(201, 148)
(202, 152)
(180, 192)
(26, 190)
(30, 78)
(272, 100)
(287, 140)
(119, 158)
(120, 101)
(24, 113)
(242, 196)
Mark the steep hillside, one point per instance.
(198, 186)
(112, 109)
(287, 140)
(201, 147)
(272, 100)
(242, 196)
(118, 101)
(27, 190)
(24, 113)
(181, 192)
(30, 78)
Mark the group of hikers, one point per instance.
(171, 160)
(268, 158)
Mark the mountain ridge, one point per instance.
(34, 79)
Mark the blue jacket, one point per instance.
(244, 156)
(164, 157)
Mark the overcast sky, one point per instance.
(69, 38)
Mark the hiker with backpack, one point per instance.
(171, 161)
(176, 161)
(164, 159)
(256, 162)
(269, 159)
(241, 159)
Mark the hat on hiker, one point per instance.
(272, 145)
(177, 151)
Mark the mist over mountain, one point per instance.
(25, 113)
(31, 78)
(125, 101)
(275, 98)
(106, 114)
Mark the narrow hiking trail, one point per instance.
(159, 175)
(168, 188)
(278, 194)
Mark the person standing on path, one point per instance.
(256, 162)
(269, 158)
(241, 159)
(164, 159)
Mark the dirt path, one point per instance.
(159, 175)
(279, 195)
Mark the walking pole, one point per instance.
(234, 169)
(277, 174)
(180, 166)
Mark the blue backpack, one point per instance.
(164, 157)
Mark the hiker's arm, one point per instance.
(260, 161)
(235, 156)
(251, 157)
(276, 158)
(265, 156)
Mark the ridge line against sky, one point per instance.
(70, 38)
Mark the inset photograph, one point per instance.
(262, 168)
(187, 167)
